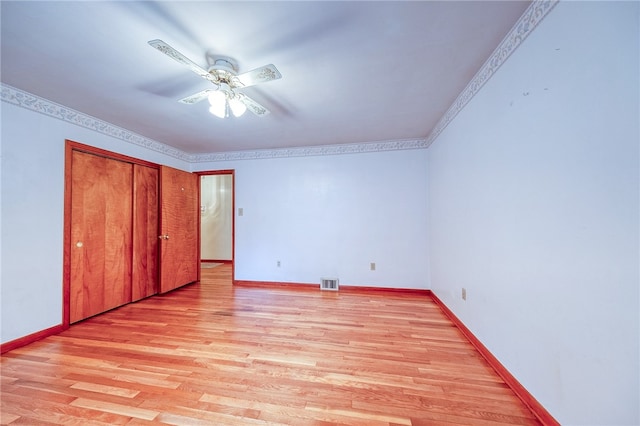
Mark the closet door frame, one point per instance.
(71, 146)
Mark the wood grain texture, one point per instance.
(214, 354)
(144, 280)
(72, 148)
(101, 240)
(179, 220)
(30, 338)
(343, 288)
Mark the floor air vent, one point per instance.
(329, 284)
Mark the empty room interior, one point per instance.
(432, 212)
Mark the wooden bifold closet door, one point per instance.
(112, 233)
(101, 238)
(180, 236)
(113, 243)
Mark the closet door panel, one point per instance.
(145, 232)
(101, 237)
(118, 230)
(179, 260)
(87, 236)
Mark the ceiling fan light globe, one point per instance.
(218, 102)
(237, 107)
(217, 98)
(218, 112)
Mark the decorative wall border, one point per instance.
(358, 148)
(37, 104)
(523, 27)
(26, 100)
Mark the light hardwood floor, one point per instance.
(214, 354)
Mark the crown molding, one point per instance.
(34, 103)
(534, 14)
(37, 104)
(358, 148)
(529, 20)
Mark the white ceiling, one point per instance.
(353, 72)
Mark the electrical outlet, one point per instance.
(240, 211)
(464, 293)
(373, 266)
(278, 263)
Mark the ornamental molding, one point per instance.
(359, 148)
(529, 20)
(26, 100)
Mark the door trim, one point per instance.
(231, 172)
(71, 146)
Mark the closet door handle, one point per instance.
(163, 237)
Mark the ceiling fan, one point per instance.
(223, 73)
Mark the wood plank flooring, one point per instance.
(214, 354)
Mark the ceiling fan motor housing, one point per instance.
(224, 68)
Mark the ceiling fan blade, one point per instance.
(179, 57)
(252, 105)
(258, 75)
(197, 97)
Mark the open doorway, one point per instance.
(216, 218)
